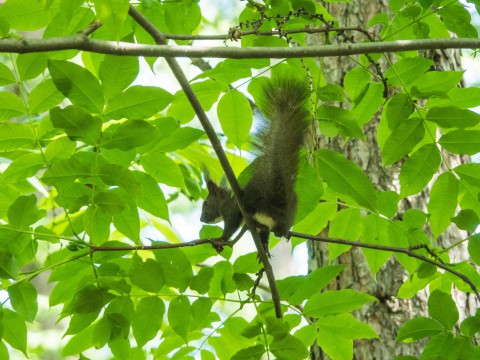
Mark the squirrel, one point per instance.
(269, 195)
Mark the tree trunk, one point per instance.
(389, 313)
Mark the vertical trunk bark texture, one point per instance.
(386, 315)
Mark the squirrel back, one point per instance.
(269, 195)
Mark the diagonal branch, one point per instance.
(207, 126)
(406, 251)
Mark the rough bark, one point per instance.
(386, 315)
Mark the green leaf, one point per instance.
(443, 201)
(458, 20)
(470, 173)
(25, 15)
(138, 102)
(402, 140)
(116, 73)
(338, 348)
(23, 297)
(182, 18)
(201, 282)
(131, 134)
(148, 319)
(15, 331)
(235, 115)
(335, 302)
(296, 289)
(346, 178)
(128, 222)
(453, 117)
(461, 141)
(146, 275)
(344, 326)
(346, 225)
(247, 264)
(8, 266)
(207, 93)
(23, 167)
(419, 169)
(77, 84)
(180, 315)
(6, 75)
(309, 188)
(200, 310)
(151, 198)
(470, 326)
(79, 342)
(375, 231)
(79, 322)
(474, 248)
(369, 103)
(44, 96)
(163, 169)
(340, 119)
(435, 83)
(118, 175)
(331, 92)
(417, 329)
(110, 202)
(60, 149)
(10, 106)
(222, 283)
(440, 347)
(406, 71)
(31, 65)
(15, 135)
(398, 110)
(88, 299)
(442, 308)
(317, 219)
(112, 14)
(463, 98)
(414, 284)
(102, 331)
(77, 123)
(23, 211)
(177, 270)
(356, 82)
(251, 353)
(178, 139)
(288, 348)
(467, 220)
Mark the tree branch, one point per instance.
(82, 42)
(216, 243)
(207, 126)
(406, 251)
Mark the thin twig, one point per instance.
(216, 243)
(260, 33)
(90, 28)
(216, 145)
(406, 251)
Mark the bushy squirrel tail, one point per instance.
(284, 105)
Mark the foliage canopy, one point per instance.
(92, 163)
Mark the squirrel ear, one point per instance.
(212, 187)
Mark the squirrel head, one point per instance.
(211, 206)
